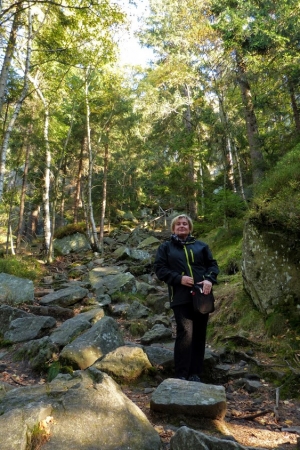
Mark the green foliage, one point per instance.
(37, 437)
(226, 205)
(277, 199)
(5, 342)
(226, 245)
(137, 328)
(23, 267)
(274, 324)
(55, 368)
(70, 229)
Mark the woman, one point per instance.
(181, 262)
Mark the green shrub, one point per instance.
(277, 198)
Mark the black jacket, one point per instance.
(175, 259)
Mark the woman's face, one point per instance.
(182, 228)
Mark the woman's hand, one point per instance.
(206, 286)
(187, 281)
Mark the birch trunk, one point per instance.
(78, 201)
(94, 237)
(23, 194)
(11, 45)
(104, 197)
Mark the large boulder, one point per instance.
(108, 280)
(270, 269)
(174, 396)
(99, 340)
(126, 363)
(65, 297)
(29, 327)
(73, 327)
(74, 243)
(15, 290)
(85, 412)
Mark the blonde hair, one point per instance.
(182, 216)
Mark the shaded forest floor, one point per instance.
(251, 418)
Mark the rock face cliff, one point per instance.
(271, 268)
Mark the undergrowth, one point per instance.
(22, 267)
(277, 198)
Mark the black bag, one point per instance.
(203, 303)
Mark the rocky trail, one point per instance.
(255, 417)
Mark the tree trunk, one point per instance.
(18, 106)
(256, 155)
(46, 191)
(192, 192)
(77, 202)
(9, 55)
(46, 188)
(104, 196)
(94, 237)
(23, 193)
(33, 220)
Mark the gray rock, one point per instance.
(249, 385)
(188, 439)
(108, 280)
(140, 255)
(119, 309)
(126, 363)
(30, 327)
(65, 297)
(15, 290)
(137, 311)
(266, 253)
(144, 288)
(103, 299)
(16, 425)
(99, 340)
(121, 253)
(74, 243)
(38, 352)
(157, 301)
(57, 312)
(72, 328)
(69, 330)
(134, 254)
(157, 333)
(82, 412)
(174, 396)
(150, 241)
(160, 356)
(4, 388)
(7, 315)
(160, 319)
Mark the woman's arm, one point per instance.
(211, 265)
(162, 269)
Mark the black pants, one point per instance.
(190, 340)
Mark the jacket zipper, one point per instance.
(187, 261)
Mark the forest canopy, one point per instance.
(210, 127)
